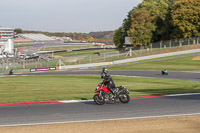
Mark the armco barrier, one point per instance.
(43, 69)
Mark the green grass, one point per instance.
(86, 56)
(178, 64)
(68, 87)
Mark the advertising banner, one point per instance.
(43, 69)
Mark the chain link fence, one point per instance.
(175, 43)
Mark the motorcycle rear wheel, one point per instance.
(124, 98)
(98, 100)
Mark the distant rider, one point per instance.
(11, 72)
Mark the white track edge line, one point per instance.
(75, 101)
(186, 94)
(129, 118)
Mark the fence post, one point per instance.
(161, 44)
(52, 55)
(188, 41)
(170, 43)
(197, 40)
(35, 64)
(23, 64)
(130, 51)
(180, 44)
(151, 47)
(90, 59)
(194, 41)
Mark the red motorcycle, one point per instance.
(103, 94)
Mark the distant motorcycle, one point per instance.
(103, 94)
(10, 72)
(164, 72)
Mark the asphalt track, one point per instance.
(192, 75)
(88, 111)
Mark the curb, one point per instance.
(84, 101)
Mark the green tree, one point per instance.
(186, 18)
(18, 30)
(160, 10)
(141, 28)
(127, 23)
(118, 38)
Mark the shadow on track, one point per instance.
(93, 103)
(85, 100)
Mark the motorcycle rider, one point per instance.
(108, 81)
(10, 72)
(164, 71)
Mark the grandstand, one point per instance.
(6, 33)
(36, 37)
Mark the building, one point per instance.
(6, 33)
(6, 46)
(127, 41)
(36, 37)
(6, 43)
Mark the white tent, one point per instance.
(9, 46)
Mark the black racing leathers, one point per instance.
(108, 81)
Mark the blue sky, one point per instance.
(65, 15)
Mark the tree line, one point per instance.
(156, 20)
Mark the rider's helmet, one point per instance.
(104, 73)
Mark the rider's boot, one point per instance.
(114, 93)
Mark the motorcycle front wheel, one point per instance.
(124, 98)
(98, 100)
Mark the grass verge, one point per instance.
(69, 87)
(177, 64)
